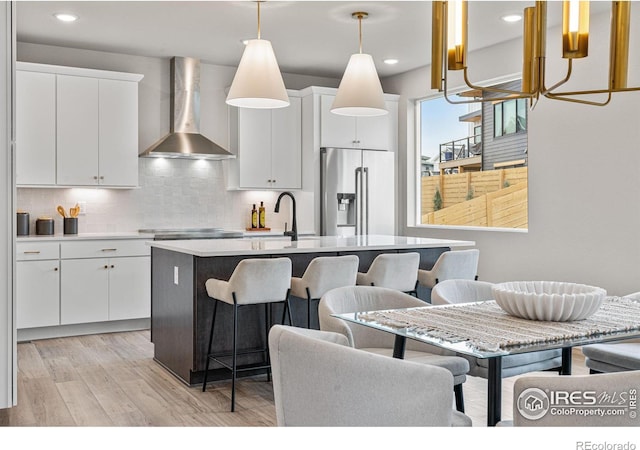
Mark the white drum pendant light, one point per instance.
(360, 92)
(258, 82)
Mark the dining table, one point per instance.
(484, 330)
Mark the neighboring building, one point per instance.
(429, 166)
(497, 137)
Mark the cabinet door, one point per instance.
(129, 288)
(37, 294)
(335, 130)
(286, 146)
(77, 138)
(84, 290)
(35, 128)
(118, 133)
(254, 148)
(376, 132)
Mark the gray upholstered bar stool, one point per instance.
(323, 274)
(253, 281)
(397, 271)
(457, 264)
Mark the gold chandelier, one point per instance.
(449, 51)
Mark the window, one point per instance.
(477, 134)
(467, 177)
(509, 116)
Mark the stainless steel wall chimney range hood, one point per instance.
(184, 139)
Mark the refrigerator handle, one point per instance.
(365, 183)
(358, 205)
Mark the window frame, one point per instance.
(517, 102)
(413, 188)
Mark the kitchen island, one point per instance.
(181, 310)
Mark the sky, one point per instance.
(440, 124)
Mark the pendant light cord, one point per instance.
(360, 31)
(258, 19)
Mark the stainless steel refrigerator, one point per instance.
(357, 192)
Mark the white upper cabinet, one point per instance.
(376, 133)
(92, 138)
(118, 133)
(36, 128)
(268, 147)
(286, 146)
(77, 138)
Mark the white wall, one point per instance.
(178, 193)
(7, 331)
(584, 183)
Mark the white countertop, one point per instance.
(305, 244)
(84, 236)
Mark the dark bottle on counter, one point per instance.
(262, 219)
(254, 217)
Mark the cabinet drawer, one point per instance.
(31, 251)
(104, 249)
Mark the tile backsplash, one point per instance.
(173, 193)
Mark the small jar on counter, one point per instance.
(22, 224)
(44, 226)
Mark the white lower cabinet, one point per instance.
(38, 292)
(82, 282)
(37, 284)
(84, 291)
(97, 290)
(130, 288)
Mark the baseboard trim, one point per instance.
(32, 334)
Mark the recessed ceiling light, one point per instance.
(66, 17)
(391, 61)
(512, 18)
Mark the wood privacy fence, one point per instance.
(495, 198)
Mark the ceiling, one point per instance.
(309, 37)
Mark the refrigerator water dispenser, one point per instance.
(346, 210)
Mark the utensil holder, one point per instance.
(70, 225)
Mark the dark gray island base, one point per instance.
(181, 310)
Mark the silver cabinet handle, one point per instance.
(109, 250)
(32, 252)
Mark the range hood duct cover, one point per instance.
(184, 139)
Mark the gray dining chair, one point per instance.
(616, 356)
(371, 298)
(319, 380)
(464, 291)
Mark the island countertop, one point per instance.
(305, 244)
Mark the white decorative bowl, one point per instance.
(548, 300)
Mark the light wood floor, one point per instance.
(112, 380)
